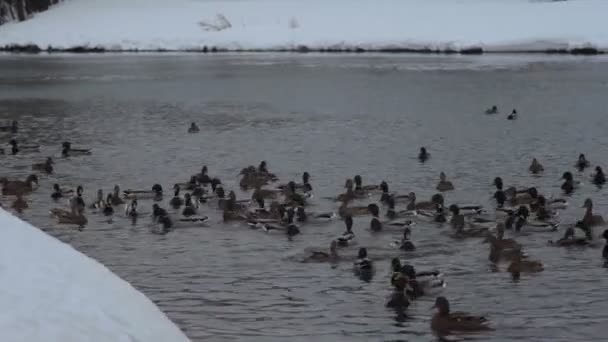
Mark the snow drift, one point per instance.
(494, 25)
(50, 292)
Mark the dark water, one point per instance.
(334, 116)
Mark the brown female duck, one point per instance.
(444, 184)
(46, 167)
(15, 187)
(322, 256)
(19, 204)
(446, 321)
(518, 266)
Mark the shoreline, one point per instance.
(35, 49)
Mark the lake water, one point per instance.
(334, 116)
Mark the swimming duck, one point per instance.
(446, 321)
(519, 266)
(116, 200)
(360, 188)
(350, 194)
(68, 151)
(363, 264)
(131, 209)
(536, 167)
(46, 167)
(176, 202)
(423, 155)
(203, 177)
(59, 193)
(457, 220)
(569, 240)
(320, 256)
(77, 202)
(155, 194)
(436, 200)
(348, 236)
(193, 128)
(16, 148)
(375, 224)
(513, 115)
(14, 187)
(107, 208)
(345, 210)
(189, 208)
(99, 202)
(160, 216)
(599, 178)
(444, 184)
(419, 283)
(589, 219)
(13, 127)
(263, 171)
(74, 216)
(493, 110)
(406, 243)
(398, 298)
(568, 185)
(19, 204)
(582, 163)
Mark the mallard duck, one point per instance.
(176, 202)
(569, 240)
(193, 128)
(155, 194)
(108, 210)
(599, 178)
(375, 225)
(321, 256)
(18, 148)
(11, 188)
(582, 163)
(68, 151)
(203, 177)
(363, 266)
(519, 266)
(535, 168)
(423, 155)
(59, 193)
(420, 283)
(446, 321)
(493, 110)
(77, 202)
(46, 167)
(568, 186)
(73, 216)
(190, 209)
(444, 184)
(99, 202)
(436, 200)
(513, 115)
(348, 236)
(406, 244)
(398, 298)
(19, 204)
(116, 200)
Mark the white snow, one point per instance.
(495, 25)
(51, 292)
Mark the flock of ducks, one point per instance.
(284, 208)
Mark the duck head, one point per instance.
(358, 182)
(214, 183)
(31, 179)
(348, 185)
(438, 199)
(501, 198)
(219, 191)
(292, 187)
(588, 204)
(498, 183)
(442, 305)
(396, 265)
(232, 196)
(423, 153)
(362, 253)
(56, 187)
(384, 187)
(260, 201)
(305, 178)
(188, 199)
(412, 197)
(157, 189)
(176, 190)
(109, 200)
(49, 161)
(582, 159)
(263, 167)
(348, 220)
(373, 209)
(406, 233)
(454, 209)
(442, 176)
(204, 170)
(568, 176)
(599, 170)
(533, 192)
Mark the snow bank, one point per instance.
(495, 25)
(50, 292)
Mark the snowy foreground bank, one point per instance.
(302, 25)
(50, 292)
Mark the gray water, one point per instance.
(333, 116)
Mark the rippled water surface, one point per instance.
(333, 116)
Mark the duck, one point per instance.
(589, 219)
(519, 266)
(161, 217)
(445, 321)
(536, 167)
(569, 240)
(13, 187)
(263, 171)
(347, 238)
(406, 244)
(375, 225)
(392, 214)
(345, 210)
(99, 202)
(423, 155)
(68, 151)
(108, 210)
(568, 185)
(19, 204)
(420, 283)
(176, 202)
(203, 177)
(364, 189)
(189, 208)
(303, 217)
(444, 184)
(77, 202)
(398, 298)
(582, 163)
(501, 241)
(436, 200)
(513, 115)
(155, 194)
(59, 193)
(599, 178)
(363, 264)
(116, 200)
(193, 128)
(46, 167)
(74, 216)
(350, 194)
(457, 221)
(131, 209)
(492, 110)
(321, 256)
(17, 148)
(13, 127)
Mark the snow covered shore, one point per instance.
(51, 292)
(302, 25)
